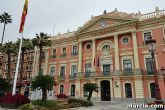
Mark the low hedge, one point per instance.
(78, 101)
(48, 103)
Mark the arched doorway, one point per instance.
(105, 90)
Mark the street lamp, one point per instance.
(151, 44)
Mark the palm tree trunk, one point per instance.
(90, 95)
(44, 94)
(3, 32)
(40, 59)
(8, 71)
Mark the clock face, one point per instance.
(102, 23)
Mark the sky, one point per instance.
(54, 16)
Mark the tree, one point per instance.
(4, 86)
(26, 46)
(41, 40)
(8, 48)
(44, 83)
(90, 87)
(5, 18)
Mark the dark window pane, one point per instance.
(128, 90)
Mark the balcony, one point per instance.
(63, 55)
(74, 53)
(52, 56)
(104, 74)
(73, 76)
(89, 74)
(61, 77)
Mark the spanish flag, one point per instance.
(24, 13)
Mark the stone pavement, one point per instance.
(108, 106)
(103, 105)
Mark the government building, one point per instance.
(109, 50)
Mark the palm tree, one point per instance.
(41, 40)
(90, 87)
(4, 86)
(8, 48)
(26, 46)
(5, 18)
(44, 83)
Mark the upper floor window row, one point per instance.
(74, 51)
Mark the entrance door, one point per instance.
(105, 90)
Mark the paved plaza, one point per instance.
(106, 105)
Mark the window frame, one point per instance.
(124, 42)
(144, 39)
(50, 69)
(126, 95)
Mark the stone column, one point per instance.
(116, 52)
(93, 54)
(135, 50)
(80, 57)
(77, 82)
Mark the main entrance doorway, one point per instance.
(105, 90)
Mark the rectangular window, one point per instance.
(147, 36)
(52, 70)
(73, 71)
(74, 51)
(127, 65)
(72, 90)
(106, 69)
(61, 89)
(149, 66)
(87, 69)
(64, 50)
(62, 72)
(30, 66)
(86, 93)
(164, 35)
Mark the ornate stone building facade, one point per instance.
(109, 50)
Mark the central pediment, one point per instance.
(102, 22)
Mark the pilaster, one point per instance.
(93, 53)
(135, 50)
(80, 57)
(116, 52)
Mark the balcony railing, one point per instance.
(74, 53)
(62, 77)
(106, 74)
(63, 55)
(52, 56)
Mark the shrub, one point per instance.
(15, 99)
(78, 101)
(29, 106)
(72, 105)
(61, 96)
(48, 103)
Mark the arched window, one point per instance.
(128, 90)
(106, 47)
(152, 90)
(72, 90)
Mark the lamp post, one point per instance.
(151, 44)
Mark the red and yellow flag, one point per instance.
(24, 13)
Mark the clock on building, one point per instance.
(103, 23)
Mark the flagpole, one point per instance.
(17, 66)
